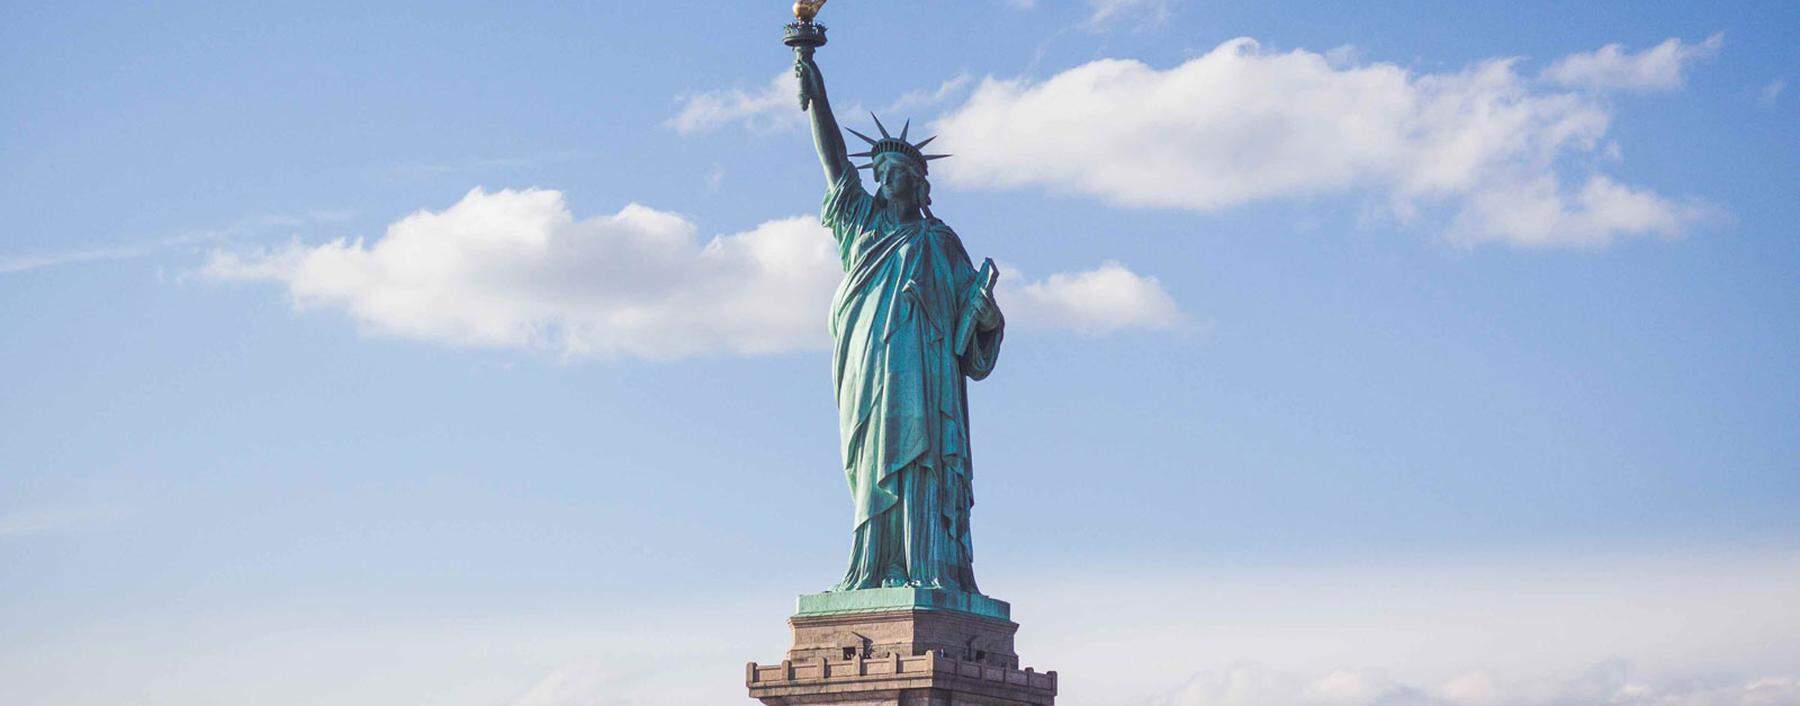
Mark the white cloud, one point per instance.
(1658, 68)
(1606, 684)
(515, 269)
(1773, 89)
(1538, 213)
(1103, 300)
(776, 106)
(1241, 124)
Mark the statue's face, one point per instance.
(900, 179)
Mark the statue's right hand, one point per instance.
(808, 73)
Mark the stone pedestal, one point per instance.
(901, 646)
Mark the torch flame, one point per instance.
(806, 10)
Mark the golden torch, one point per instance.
(804, 34)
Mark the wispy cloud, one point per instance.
(927, 98)
(775, 106)
(596, 681)
(487, 164)
(22, 263)
(1514, 160)
(31, 522)
(128, 251)
(1138, 12)
(1773, 89)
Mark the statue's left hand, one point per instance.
(987, 313)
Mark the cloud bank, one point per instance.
(515, 269)
(1607, 684)
(1670, 627)
(1512, 158)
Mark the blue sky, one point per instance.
(370, 354)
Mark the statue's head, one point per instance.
(902, 179)
(900, 166)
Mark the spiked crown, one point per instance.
(888, 144)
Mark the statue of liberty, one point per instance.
(912, 322)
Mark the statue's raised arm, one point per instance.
(826, 136)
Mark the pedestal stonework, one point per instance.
(901, 646)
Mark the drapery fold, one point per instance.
(902, 392)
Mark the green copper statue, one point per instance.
(913, 322)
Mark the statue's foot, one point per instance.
(853, 584)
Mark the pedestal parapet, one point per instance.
(901, 646)
(893, 680)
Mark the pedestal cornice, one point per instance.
(870, 600)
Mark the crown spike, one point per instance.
(863, 154)
(865, 138)
(930, 157)
(906, 129)
(926, 141)
(870, 165)
(883, 128)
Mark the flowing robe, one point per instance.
(903, 413)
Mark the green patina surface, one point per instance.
(913, 323)
(879, 599)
